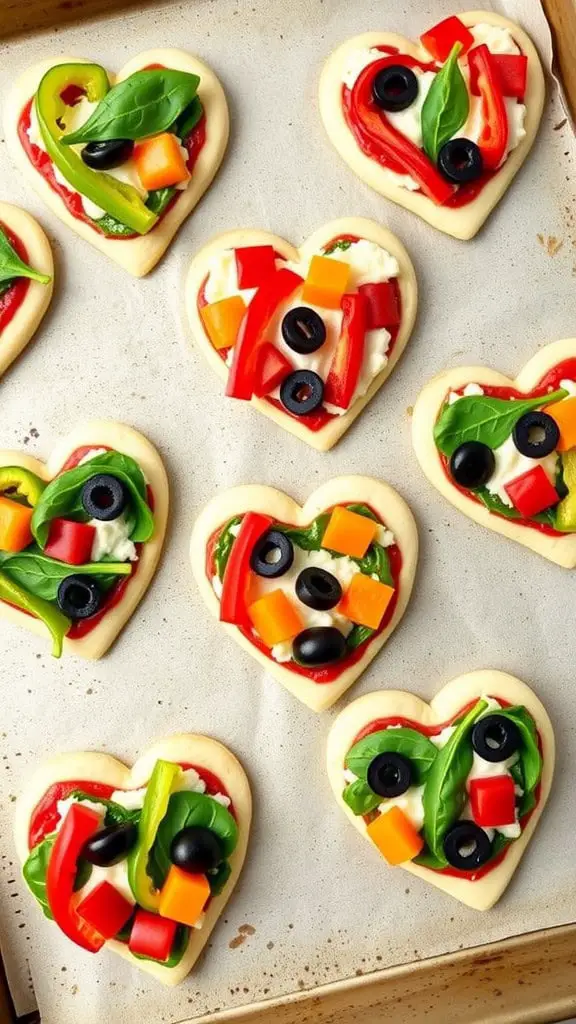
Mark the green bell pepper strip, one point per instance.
(565, 517)
(56, 623)
(155, 806)
(25, 483)
(115, 197)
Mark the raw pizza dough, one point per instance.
(184, 748)
(385, 501)
(463, 222)
(103, 434)
(30, 314)
(561, 550)
(324, 439)
(483, 893)
(137, 255)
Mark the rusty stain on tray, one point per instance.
(551, 243)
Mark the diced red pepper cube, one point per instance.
(271, 369)
(493, 801)
(382, 304)
(532, 492)
(511, 70)
(254, 264)
(105, 909)
(70, 542)
(440, 39)
(152, 935)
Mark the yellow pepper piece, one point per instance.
(274, 618)
(349, 533)
(395, 836)
(326, 282)
(222, 320)
(183, 896)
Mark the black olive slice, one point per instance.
(319, 646)
(104, 497)
(302, 392)
(110, 845)
(303, 330)
(79, 596)
(318, 589)
(495, 738)
(472, 464)
(103, 156)
(389, 774)
(196, 849)
(395, 87)
(460, 161)
(536, 434)
(466, 846)
(272, 555)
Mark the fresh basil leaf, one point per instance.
(445, 793)
(11, 266)
(342, 244)
(495, 504)
(146, 103)
(185, 809)
(419, 750)
(529, 754)
(115, 813)
(41, 575)
(188, 119)
(479, 418)
(224, 546)
(217, 879)
(446, 106)
(36, 867)
(360, 798)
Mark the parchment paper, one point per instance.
(320, 904)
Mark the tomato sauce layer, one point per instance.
(13, 297)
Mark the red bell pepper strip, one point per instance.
(493, 801)
(152, 936)
(440, 39)
(78, 826)
(388, 143)
(494, 136)
(271, 369)
(236, 582)
(252, 334)
(532, 492)
(105, 909)
(346, 363)
(382, 304)
(511, 70)
(70, 542)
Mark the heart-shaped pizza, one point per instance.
(81, 535)
(26, 280)
(440, 126)
(308, 335)
(504, 451)
(311, 592)
(121, 159)
(141, 860)
(452, 790)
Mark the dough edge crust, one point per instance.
(29, 316)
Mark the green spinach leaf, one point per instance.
(11, 266)
(188, 119)
(495, 504)
(446, 106)
(115, 813)
(36, 867)
(308, 538)
(41, 575)
(146, 103)
(219, 877)
(56, 623)
(360, 798)
(419, 750)
(479, 418)
(185, 809)
(529, 753)
(224, 546)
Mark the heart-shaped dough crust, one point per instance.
(460, 222)
(457, 695)
(557, 547)
(103, 434)
(185, 748)
(24, 322)
(358, 227)
(137, 255)
(393, 512)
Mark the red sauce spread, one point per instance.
(331, 672)
(13, 297)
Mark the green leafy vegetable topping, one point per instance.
(479, 418)
(11, 266)
(36, 867)
(419, 750)
(185, 809)
(41, 575)
(446, 106)
(224, 546)
(341, 244)
(360, 798)
(56, 623)
(115, 813)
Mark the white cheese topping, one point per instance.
(570, 387)
(511, 464)
(356, 61)
(92, 455)
(112, 539)
(408, 121)
(63, 806)
(470, 389)
(497, 39)
(115, 874)
(441, 738)
(385, 537)
(223, 279)
(410, 803)
(369, 263)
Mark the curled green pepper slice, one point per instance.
(566, 510)
(22, 482)
(155, 806)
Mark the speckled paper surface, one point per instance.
(319, 904)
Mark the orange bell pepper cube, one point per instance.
(326, 282)
(275, 618)
(15, 533)
(395, 836)
(564, 414)
(366, 600)
(183, 896)
(222, 320)
(349, 533)
(160, 162)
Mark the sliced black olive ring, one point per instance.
(303, 330)
(472, 464)
(460, 161)
(196, 849)
(110, 845)
(536, 434)
(495, 738)
(318, 589)
(319, 646)
(395, 87)
(466, 846)
(389, 774)
(104, 497)
(302, 392)
(79, 596)
(103, 156)
(272, 555)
